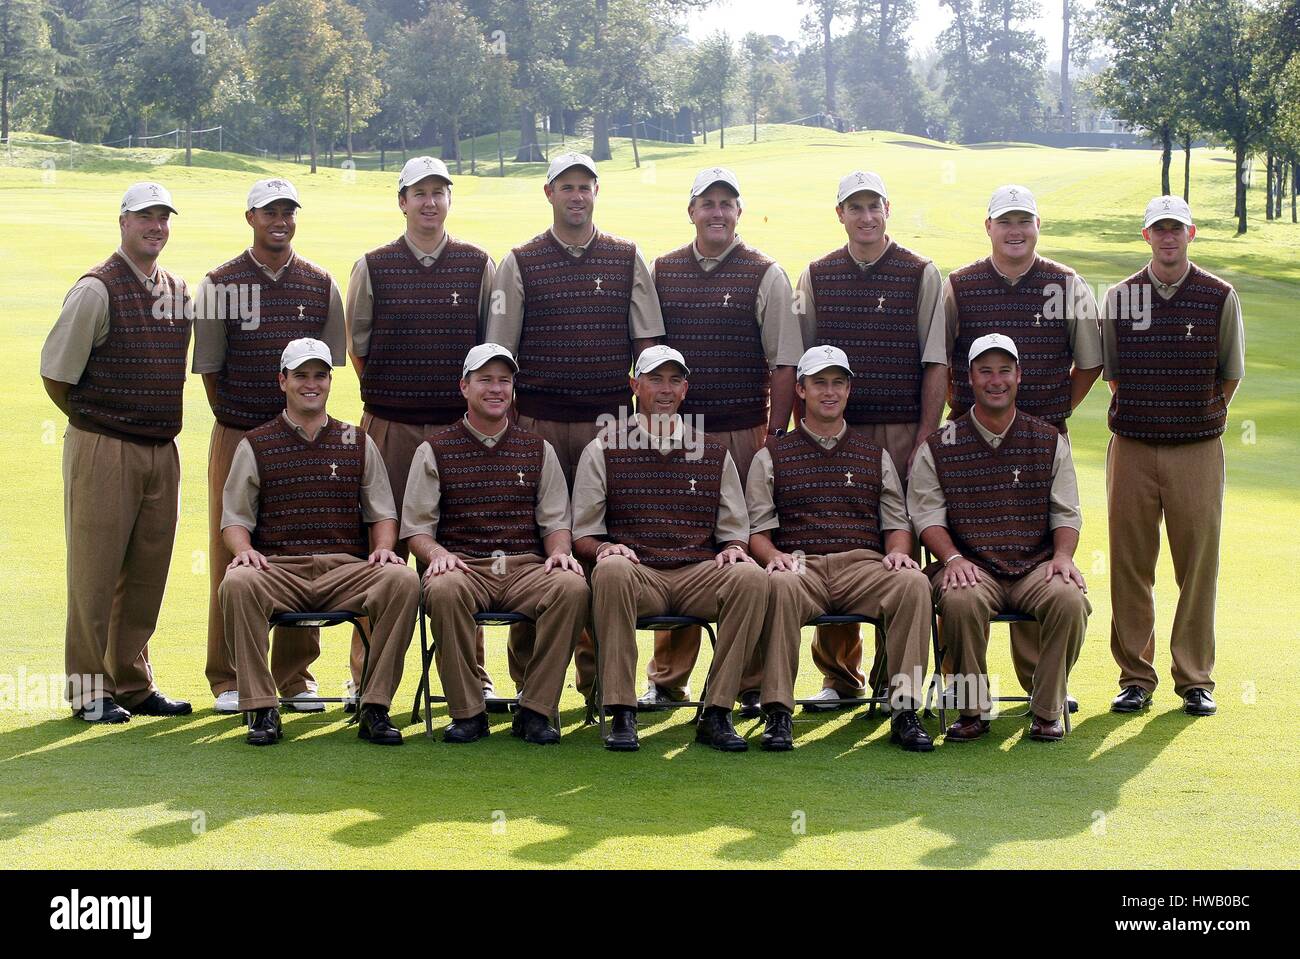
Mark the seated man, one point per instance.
(494, 495)
(827, 517)
(651, 497)
(301, 493)
(994, 497)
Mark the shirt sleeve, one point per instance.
(931, 320)
(949, 318)
(553, 513)
(733, 517)
(506, 310)
(360, 310)
(1232, 339)
(335, 333)
(589, 492)
(240, 495)
(925, 500)
(81, 326)
(423, 492)
(485, 298)
(778, 325)
(209, 332)
(759, 500)
(806, 307)
(1109, 351)
(645, 320)
(893, 507)
(376, 492)
(1081, 317)
(1063, 509)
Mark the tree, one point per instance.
(24, 43)
(1067, 106)
(877, 73)
(629, 74)
(993, 68)
(294, 51)
(713, 75)
(357, 68)
(823, 14)
(760, 73)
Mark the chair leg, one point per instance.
(596, 703)
(941, 687)
(704, 693)
(880, 647)
(424, 673)
(1065, 711)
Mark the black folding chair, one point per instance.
(324, 620)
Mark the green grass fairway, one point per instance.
(1155, 790)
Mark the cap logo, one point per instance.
(828, 351)
(1166, 205)
(276, 184)
(1013, 194)
(717, 171)
(862, 178)
(153, 191)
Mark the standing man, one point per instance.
(415, 307)
(1186, 346)
(660, 513)
(828, 519)
(309, 519)
(1050, 313)
(883, 305)
(494, 497)
(247, 310)
(729, 307)
(576, 305)
(994, 497)
(114, 364)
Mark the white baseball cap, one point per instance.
(484, 353)
(300, 351)
(819, 358)
(653, 357)
(856, 182)
(417, 168)
(1167, 208)
(994, 341)
(1012, 197)
(268, 191)
(141, 196)
(566, 160)
(714, 174)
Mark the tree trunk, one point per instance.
(347, 113)
(4, 107)
(403, 140)
(455, 135)
(501, 159)
(636, 153)
(473, 154)
(1067, 107)
(311, 123)
(381, 158)
(755, 121)
(1187, 167)
(450, 145)
(1295, 186)
(600, 126)
(1240, 153)
(529, 151)
(189, 139)
(1166, 152)
(828, 63)
(1268, 185)
(722, 127)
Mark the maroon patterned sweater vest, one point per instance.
(1169, 388)
(871, 315)
(488, 494)
(998, 499)
(426, 319)
(294, 306)
(665, 508)
(133, 384)
(310, 499)
(827, 501)
(574, 351)
(709, 316)
(986, 303)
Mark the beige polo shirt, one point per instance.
(759, 487)
(928, 507)
(82, 324)
(930, 327)
(360, 306)
(210, 334)
(240, 497)
(589, 487)
(773, 309)
(505, 322)
(424, 492)
(1080, 318)
(1232, 330)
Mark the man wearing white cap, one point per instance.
(309, 518)
(576, 305)
(415, 306)
(487, 512)
(114, 363)
(659, 511)
(246, 311)
(994, 497)
(882, 303)
(1186, 346)
(729, 307)
(828, 520)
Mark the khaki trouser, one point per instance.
(850, 583)
(120, 504)
(675, 651)
(837, 650)
(1183, 482)
(294, 649)
(397, 443)
(557, 602)
(733, 595)
(568, 440)
(1061, 609)
(388, 595)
